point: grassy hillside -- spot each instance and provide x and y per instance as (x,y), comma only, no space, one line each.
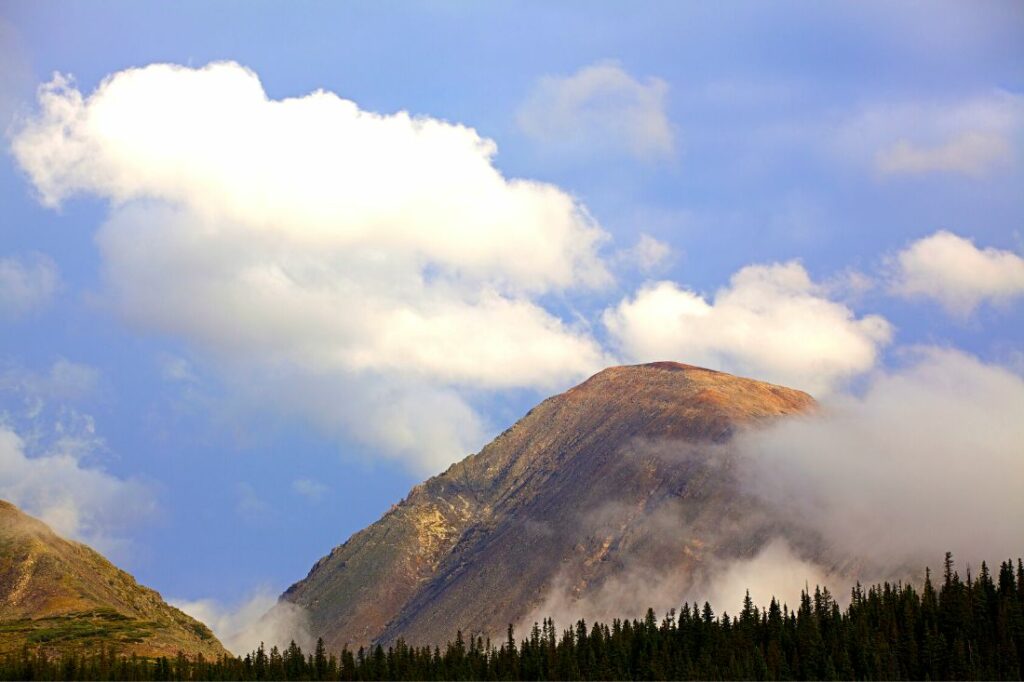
(58,595)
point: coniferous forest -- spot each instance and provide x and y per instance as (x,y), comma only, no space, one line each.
(968,627)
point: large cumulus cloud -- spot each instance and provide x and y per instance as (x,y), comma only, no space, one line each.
(771,322)
(375,274)
(952,271)
(330,255)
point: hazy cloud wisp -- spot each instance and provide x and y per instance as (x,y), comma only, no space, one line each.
(600,108)
(260,618)
(972,137)
(77,500)
(27,284)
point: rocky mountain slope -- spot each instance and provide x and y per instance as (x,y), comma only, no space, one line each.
(58,595)
(619,483)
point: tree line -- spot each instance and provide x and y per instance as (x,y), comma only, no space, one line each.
(967,628)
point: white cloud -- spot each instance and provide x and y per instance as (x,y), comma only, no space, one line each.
(259,618)
(306,243)
(314,172)
(64,380)
(775,572)
(75,499)
(646,255)
(177,369)
(601,107)
(26,284)
(310,489)
(50,452)
(48,417)
(772,322)
(426,425)
(249,504)
(971,153)
(953,271)
(913,468)
(971,137)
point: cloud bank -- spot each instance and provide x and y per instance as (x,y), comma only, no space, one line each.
(600,108)
(772,322)
(357,263)
(775,571)
(929,459)
(957,274)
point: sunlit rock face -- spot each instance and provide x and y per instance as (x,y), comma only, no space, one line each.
(615,492)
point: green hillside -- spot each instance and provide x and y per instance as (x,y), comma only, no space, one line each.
(57,595)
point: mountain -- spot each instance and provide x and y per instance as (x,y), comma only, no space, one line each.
(621,484)
(58,595)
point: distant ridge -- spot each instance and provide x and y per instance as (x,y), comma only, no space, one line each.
(57,595)
(566,499)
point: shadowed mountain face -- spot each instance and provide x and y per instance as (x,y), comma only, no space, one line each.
(57,595)
(624,476)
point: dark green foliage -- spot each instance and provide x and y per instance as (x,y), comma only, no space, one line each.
(970,628)
(84,628)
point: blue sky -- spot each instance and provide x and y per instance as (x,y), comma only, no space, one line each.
(879,145)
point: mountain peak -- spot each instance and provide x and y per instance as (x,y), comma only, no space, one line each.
(679,382)
(480,545)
